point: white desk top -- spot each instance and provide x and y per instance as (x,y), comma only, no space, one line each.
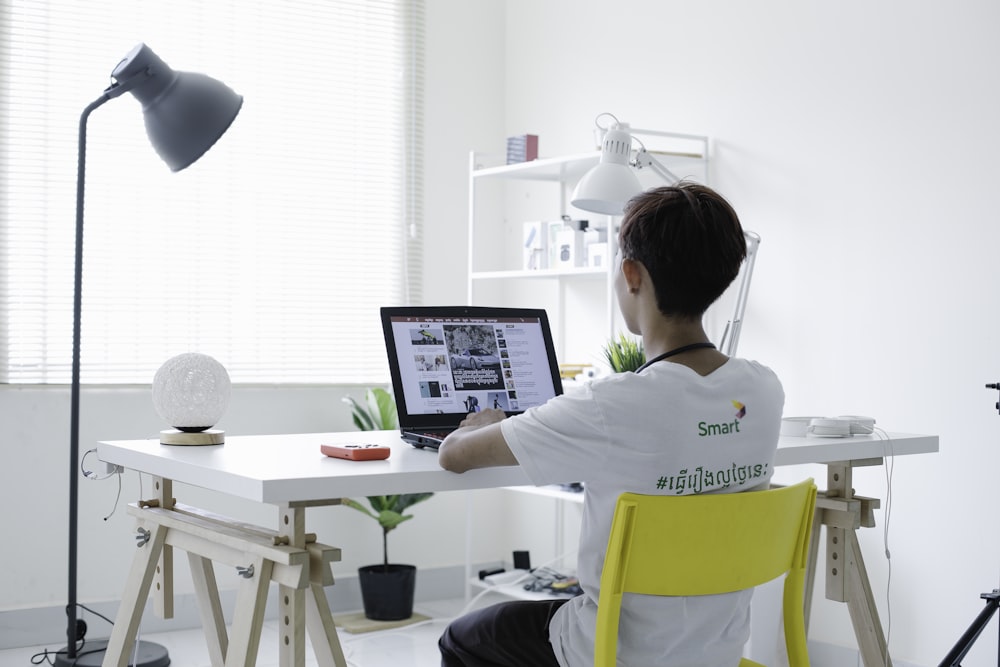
(278,469)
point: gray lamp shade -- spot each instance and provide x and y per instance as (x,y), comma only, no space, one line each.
(185,112)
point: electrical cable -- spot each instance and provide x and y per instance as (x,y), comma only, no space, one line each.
(118,497)
(98,615)
(116,471)
(890,467)
(135,647)
(93,475)
(46,656)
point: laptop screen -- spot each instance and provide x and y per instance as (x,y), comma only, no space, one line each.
(447,362)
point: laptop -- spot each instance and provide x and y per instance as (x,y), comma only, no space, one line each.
(449,361)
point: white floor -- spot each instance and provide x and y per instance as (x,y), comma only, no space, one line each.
(411,646)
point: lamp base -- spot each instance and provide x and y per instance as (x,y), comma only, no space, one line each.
(92,655)
(209,437)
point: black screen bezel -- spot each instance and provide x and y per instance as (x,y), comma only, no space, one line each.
(451,419)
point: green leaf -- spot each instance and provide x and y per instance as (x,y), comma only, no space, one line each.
(380,503)
(410,499)
(358,506)
(389,519)
(382,407)
(378,413)
(624,353)
(362,420)
(388,510)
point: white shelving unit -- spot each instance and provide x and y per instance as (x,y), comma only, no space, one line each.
(579,300)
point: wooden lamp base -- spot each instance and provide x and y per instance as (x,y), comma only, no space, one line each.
(209,437)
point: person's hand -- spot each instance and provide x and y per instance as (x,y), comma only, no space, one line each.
(483,417)
(479,443)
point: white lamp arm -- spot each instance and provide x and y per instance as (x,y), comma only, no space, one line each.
(731,334)
(644,160)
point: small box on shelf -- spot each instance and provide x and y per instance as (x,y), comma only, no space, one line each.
(595,247)
(522,148)
(568,251)
(597,255)
(595,235)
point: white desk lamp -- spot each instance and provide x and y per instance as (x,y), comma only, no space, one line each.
(185,113)
(607,187)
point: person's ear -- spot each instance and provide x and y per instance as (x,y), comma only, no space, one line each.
(633,275)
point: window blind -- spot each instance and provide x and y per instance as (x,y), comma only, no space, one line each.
(273,252)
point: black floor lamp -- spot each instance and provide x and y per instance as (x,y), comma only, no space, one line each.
(185,113)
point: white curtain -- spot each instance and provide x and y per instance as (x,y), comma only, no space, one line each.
(273,252)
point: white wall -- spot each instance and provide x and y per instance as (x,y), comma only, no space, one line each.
(860,140)
(465,111)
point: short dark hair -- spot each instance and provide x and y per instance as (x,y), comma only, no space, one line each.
(691,242)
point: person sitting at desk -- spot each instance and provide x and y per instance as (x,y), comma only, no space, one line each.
(691,420)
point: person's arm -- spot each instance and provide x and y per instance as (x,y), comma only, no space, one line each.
(478,443)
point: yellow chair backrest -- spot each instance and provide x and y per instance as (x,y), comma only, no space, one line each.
(731,542)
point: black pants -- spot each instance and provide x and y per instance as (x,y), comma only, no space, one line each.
(509,634)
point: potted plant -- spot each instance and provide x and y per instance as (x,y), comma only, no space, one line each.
(386,588)
(624,353)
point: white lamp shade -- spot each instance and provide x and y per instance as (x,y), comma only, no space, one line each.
(608,186)
(606,189)
(191,392)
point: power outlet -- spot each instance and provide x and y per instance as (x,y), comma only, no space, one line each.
(112,468)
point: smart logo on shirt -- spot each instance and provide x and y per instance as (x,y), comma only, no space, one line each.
(706,429)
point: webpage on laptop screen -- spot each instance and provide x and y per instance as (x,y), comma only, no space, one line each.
(466,364)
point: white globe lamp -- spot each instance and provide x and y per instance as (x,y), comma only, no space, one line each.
(191,393)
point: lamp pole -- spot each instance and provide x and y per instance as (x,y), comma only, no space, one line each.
(74,398)
(74,629)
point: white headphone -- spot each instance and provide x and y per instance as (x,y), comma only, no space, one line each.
(828,427)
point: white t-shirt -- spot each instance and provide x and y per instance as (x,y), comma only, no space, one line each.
(663,431)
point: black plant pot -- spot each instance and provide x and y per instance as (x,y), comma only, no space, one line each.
(387,591)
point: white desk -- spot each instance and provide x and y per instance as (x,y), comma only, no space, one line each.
(289,471)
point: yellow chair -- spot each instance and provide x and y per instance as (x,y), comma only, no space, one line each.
(731,542)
